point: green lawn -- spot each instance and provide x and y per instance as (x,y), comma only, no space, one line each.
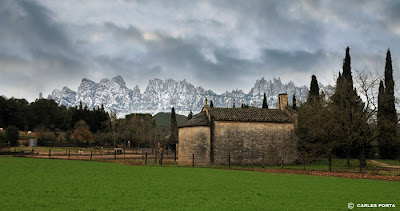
(42,184)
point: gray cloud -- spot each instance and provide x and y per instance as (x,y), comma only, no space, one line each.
(220,45)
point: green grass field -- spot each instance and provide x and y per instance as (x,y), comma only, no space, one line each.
(42,184)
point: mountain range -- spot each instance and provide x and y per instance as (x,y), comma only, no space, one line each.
(161,95)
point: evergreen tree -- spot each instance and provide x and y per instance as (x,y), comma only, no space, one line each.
(347,68)
(174,128)
(348,110)
(294,102)
(387,117)
(313,94)
(190,115)
(265,103)
(211,104)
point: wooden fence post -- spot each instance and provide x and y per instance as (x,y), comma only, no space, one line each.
(263,161)
(33,152)
(91,154)
(161,157)
(155,157)
(115,154)
(193,160)
(69,154)
(229,160)
(175,155)
(49,153)
(145,160)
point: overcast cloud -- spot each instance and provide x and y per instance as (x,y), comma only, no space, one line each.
(220,45)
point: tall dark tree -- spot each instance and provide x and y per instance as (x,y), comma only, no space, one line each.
(174,128)
(347,67)
(265,103)
(211,104)
(313,94)
(387,117)
(348,110)
(315,127)
(294,102)
(190,115)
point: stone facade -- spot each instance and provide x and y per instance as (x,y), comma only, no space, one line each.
(252,143)
(194,140)
(241,136)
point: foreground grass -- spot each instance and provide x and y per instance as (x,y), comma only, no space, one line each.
(41,184)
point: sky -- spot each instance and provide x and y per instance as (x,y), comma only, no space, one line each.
(219,45)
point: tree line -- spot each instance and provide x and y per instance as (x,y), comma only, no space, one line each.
(48,114)
(80,126)
(348,123)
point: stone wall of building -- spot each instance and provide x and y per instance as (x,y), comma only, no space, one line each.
(194,140)
(253,143)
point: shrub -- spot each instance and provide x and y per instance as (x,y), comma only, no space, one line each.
(12,135)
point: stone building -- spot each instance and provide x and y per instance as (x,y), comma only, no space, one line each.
(241,136)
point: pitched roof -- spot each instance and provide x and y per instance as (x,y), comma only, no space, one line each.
(199,119)
(250,115)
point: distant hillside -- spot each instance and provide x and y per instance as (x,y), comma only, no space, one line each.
(163,120)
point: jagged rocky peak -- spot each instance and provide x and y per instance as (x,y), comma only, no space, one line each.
(160,95)
(87,81)
(136,90)
(67,90)
(119,80)
(64,97)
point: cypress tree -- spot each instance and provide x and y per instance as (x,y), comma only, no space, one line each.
(313,94)
(349,109)
(387,117)
(294,102)
(265,103)
(381,119)
(211,104)
(347,68)
(174,127)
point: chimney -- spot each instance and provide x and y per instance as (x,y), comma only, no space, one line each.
(282,102)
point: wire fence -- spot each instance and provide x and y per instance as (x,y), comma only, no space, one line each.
(144,155)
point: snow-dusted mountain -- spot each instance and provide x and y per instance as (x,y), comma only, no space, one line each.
(161,95)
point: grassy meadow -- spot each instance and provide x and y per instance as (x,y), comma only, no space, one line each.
(43,184)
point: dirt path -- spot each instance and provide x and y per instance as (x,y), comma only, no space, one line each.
(328,174)
(385,165)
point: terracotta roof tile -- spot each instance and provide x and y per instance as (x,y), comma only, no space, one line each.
(239,115)
(250,115)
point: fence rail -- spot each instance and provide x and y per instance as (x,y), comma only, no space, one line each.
(145,155)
